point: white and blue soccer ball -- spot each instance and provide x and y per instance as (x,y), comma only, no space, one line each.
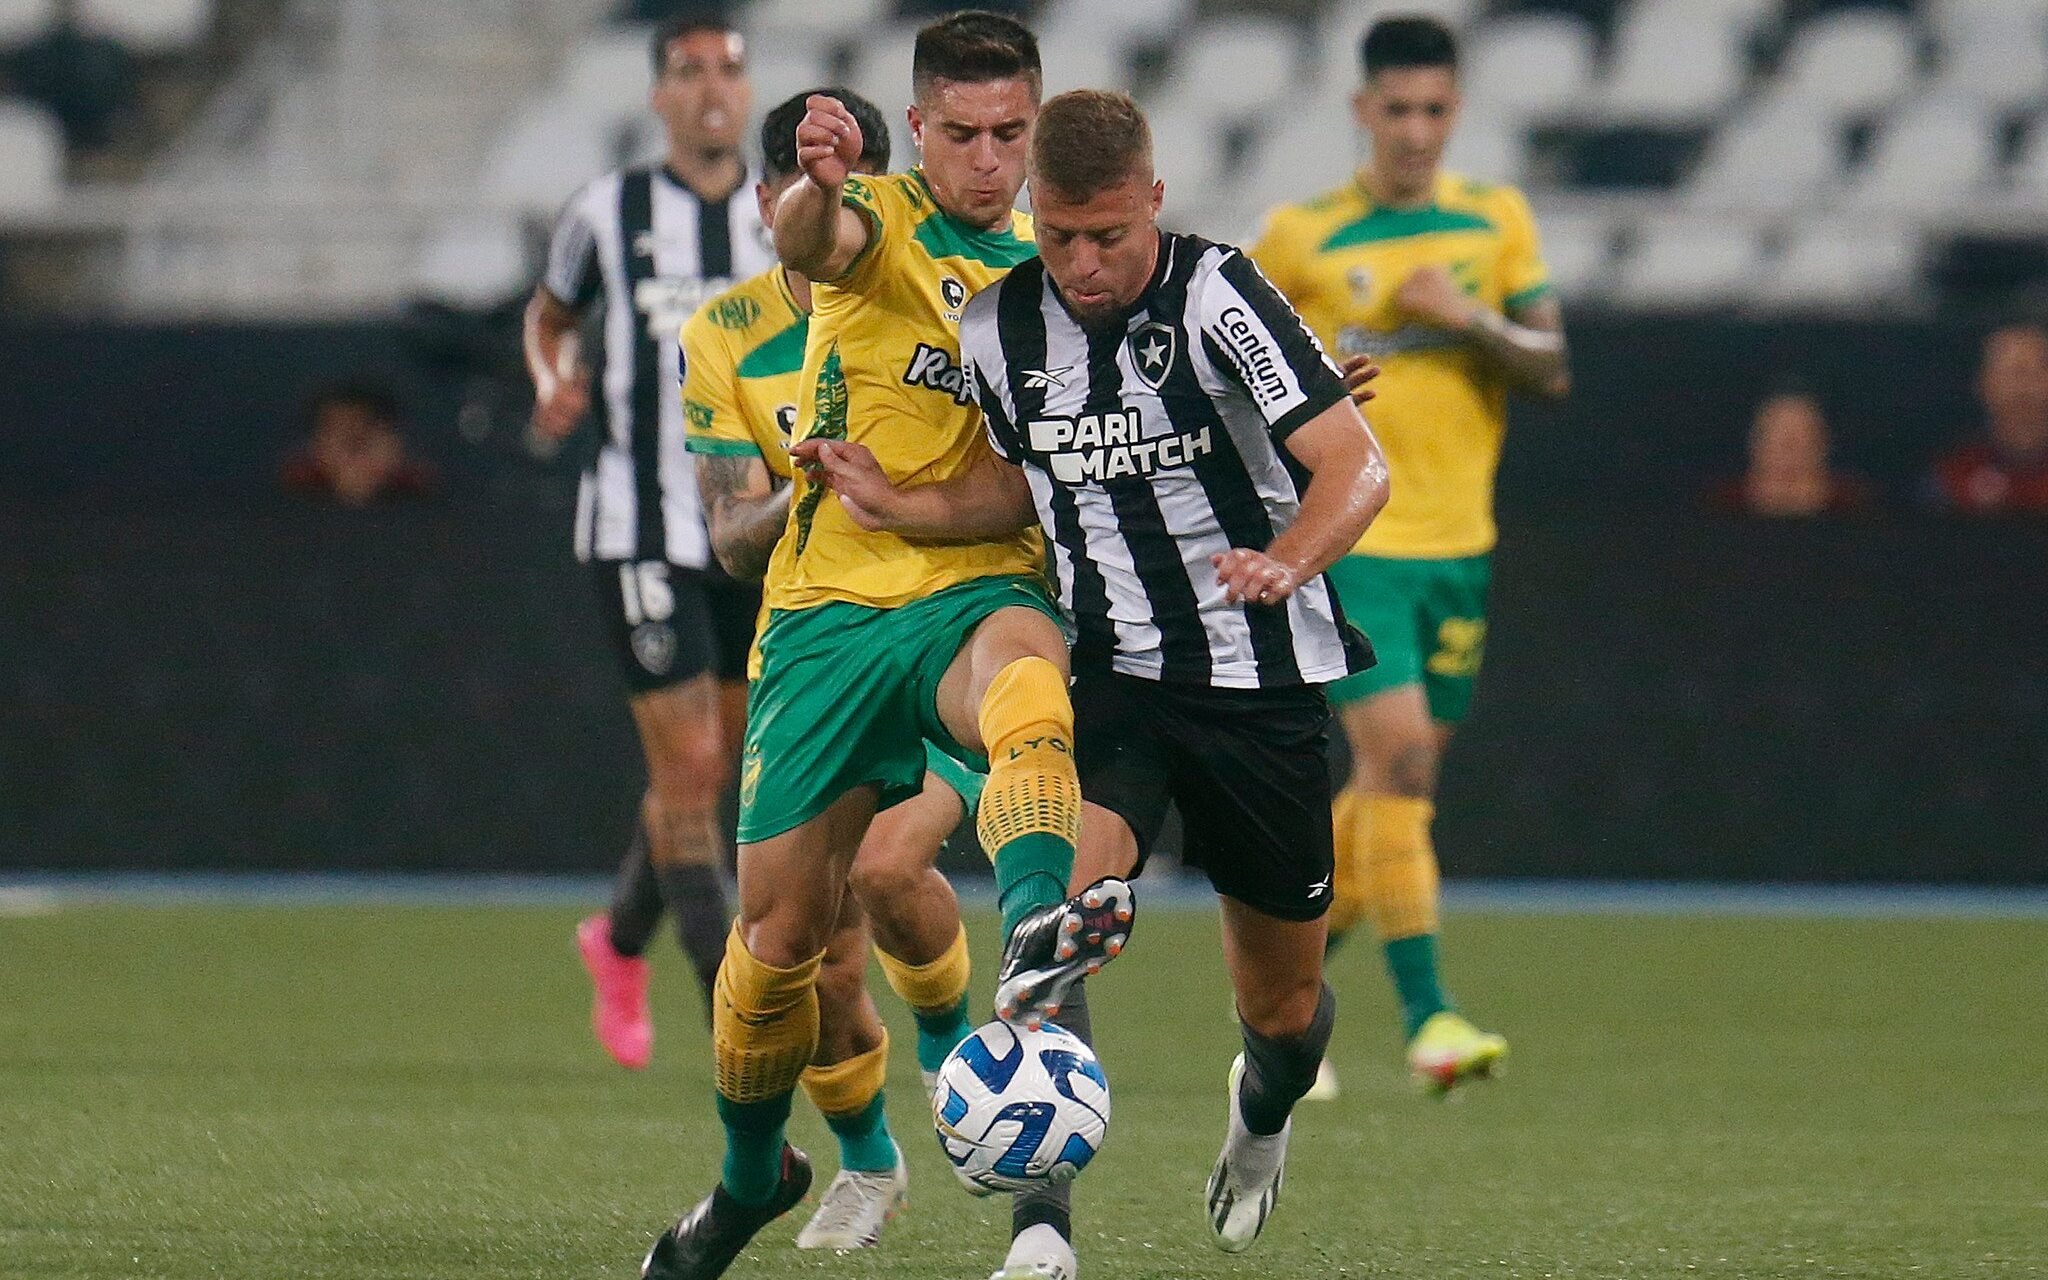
(1017,1108)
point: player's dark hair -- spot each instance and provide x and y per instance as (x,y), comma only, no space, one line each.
(1087,141)
(778,132)
(686,23)
(974,47)
(1407,40)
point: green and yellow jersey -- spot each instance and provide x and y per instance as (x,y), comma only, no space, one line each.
(743,359)
(1439,413)
(882,368)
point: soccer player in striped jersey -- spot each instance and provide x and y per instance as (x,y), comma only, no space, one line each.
(878,644)
(1440,278)
(1196,462)
(742,357)
(650,242)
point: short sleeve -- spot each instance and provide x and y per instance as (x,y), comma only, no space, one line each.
(1257,340)
(871,201)
(572,273)
(981,358)
(1277,252)
(1524,275)
(712,419)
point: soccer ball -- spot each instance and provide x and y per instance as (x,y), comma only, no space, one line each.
(1017,1108)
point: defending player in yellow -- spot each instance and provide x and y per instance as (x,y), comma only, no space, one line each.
(878,643)
(742,357)
(1440,278)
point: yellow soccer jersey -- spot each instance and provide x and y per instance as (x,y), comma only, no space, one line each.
(743,356)
(1439,413)
(882,368)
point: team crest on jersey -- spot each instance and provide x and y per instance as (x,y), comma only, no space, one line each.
(733,313)
(1153,348)
(654,647)
(954,295)
(785,419)
(1360,280)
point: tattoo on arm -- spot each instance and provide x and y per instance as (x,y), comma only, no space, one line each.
(746,507)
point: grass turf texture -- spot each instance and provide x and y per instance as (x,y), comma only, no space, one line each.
(413,1092)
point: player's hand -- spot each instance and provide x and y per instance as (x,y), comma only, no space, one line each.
(1359,371)
(1253,577)
(828,141)
(850,471)
(1431,296)
(561,395)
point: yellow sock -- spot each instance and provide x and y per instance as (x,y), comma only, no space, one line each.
(846,1088)
(1348,877)
(933,987)
(1030,815)
(1400,872)
(764,1023)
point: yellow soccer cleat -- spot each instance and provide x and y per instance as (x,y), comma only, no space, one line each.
(1449,1051)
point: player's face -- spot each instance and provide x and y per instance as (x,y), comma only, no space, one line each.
(702,94)
(2014,387)
(1409,113)
(1100,251)
(972,139)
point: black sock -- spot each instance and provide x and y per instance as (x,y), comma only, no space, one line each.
(1278,1071)
(636,899)
(1054,1206)
(693,892)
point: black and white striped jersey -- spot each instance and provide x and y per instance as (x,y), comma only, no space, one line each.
(1155,444)
(654,250)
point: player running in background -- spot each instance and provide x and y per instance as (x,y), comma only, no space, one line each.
(652,242)
(877,643)
(1196,462)
(1441,279)
(742,356)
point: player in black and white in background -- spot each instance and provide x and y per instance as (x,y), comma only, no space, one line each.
(1196,462)
(650,243)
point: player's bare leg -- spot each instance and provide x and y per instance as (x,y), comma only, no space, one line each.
(844,1081)
(672,863)
(1387,874)
(915,917)
(1285,1014)
(764,1029)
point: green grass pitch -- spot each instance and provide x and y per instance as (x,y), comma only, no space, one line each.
(412,1092)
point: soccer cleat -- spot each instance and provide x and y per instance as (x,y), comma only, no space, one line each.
(1039,1252)
(618,1006)
(1448,1051)
(1325,1089)
(855,1207)
(1245,1184)
(710,1236)
(1056,946)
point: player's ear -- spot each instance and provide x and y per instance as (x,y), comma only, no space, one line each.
(916,119)
(1158,195)
(764,196)
(1360,97)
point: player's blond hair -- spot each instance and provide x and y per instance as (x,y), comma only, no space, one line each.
(1087,141)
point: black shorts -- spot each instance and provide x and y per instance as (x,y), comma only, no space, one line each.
(670,623)
(1248,768)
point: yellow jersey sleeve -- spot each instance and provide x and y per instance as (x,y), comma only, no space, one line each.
(742,360)
(1524,275)
(1278,251)
(712,422)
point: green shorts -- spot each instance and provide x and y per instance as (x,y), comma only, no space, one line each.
(1427,622)
(966,780)
(847,697)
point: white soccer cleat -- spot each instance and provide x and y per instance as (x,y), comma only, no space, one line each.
(855,1207)
(1039,1253)
(1245,1184)
(1325,1089)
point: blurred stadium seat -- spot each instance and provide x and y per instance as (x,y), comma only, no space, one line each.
(1535,65)
(1833,265)
(31,158)
(149,26)
(1671,63)
(1927,155)
(1683,262)
(24,20)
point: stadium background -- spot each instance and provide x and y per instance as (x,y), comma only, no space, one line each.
(209,208)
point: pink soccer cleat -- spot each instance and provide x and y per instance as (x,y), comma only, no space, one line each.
(618,1009)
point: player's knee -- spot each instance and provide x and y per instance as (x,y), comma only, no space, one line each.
(688,781)
(1282,1009)
(1411,768)
(886,873)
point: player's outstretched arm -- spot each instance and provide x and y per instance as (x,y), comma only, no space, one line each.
(989,498)
(1347,488)
(561,381)
(745,510)
(816,235)
(1527,348)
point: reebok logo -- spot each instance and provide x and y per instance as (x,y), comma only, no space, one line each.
(936,370)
